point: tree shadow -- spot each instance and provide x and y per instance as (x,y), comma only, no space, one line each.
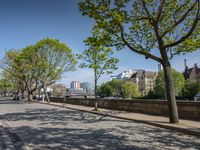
(163,138)
(55,115)
(70,138)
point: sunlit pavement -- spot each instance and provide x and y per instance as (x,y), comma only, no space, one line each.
(38,126)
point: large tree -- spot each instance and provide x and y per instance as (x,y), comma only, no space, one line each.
(156,29)
(39,65)
(98,58)
(13,71)
(54,58)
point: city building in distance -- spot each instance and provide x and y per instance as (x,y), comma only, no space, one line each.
(78,89)
(75,85)
(87,87)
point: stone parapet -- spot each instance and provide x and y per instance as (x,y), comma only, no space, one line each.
(187,110)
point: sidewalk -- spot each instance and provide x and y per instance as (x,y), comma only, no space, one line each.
(185,126)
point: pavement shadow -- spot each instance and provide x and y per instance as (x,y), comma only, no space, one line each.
(70,138)
(55,115)
(163,138)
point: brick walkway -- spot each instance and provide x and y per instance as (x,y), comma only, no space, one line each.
(186,126)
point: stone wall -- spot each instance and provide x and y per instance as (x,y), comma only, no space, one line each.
(187,110)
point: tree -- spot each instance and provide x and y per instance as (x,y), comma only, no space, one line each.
(58,90)
(105,90)
(54,58)
(130,90)
(169,27)
(97,58)
(5,87)
(178,80)
(190,89)
(13,71)
(29,65)
(119,88)
(39,65)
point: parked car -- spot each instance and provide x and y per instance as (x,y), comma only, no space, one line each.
(197,97)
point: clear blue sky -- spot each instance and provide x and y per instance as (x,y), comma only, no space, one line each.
(24,22)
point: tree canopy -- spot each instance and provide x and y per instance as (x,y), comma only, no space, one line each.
(119,88)
(98,58)
(190,89)
(179,82)
(38,66)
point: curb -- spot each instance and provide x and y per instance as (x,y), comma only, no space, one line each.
(6,139)
(182,130)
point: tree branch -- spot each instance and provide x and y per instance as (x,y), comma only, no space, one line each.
(189,33)
(176,23)
(160,10)
(146,54)
(151,19)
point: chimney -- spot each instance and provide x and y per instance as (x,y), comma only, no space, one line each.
(185,61)
(195,65)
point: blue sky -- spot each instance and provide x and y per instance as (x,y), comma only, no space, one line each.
(24,22)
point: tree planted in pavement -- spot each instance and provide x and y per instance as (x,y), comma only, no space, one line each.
(98,58)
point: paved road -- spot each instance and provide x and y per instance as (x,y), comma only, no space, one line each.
(43,127)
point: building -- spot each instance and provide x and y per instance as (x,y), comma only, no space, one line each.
(124,75)
(144,79)
(75,85)
(192,73)
(87,87)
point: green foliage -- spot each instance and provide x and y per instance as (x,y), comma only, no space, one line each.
(5,86)
(58,90)
(190,89)
(178,79)
(98,58)
(143,22)
(119,88)
(39,65)
(54,58)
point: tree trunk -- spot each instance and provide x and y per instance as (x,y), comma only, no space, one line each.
(30,96)
(170,93)
(95,91)
(46,94)
(22,95)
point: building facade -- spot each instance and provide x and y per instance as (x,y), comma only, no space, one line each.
(87,87)
(144,79)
